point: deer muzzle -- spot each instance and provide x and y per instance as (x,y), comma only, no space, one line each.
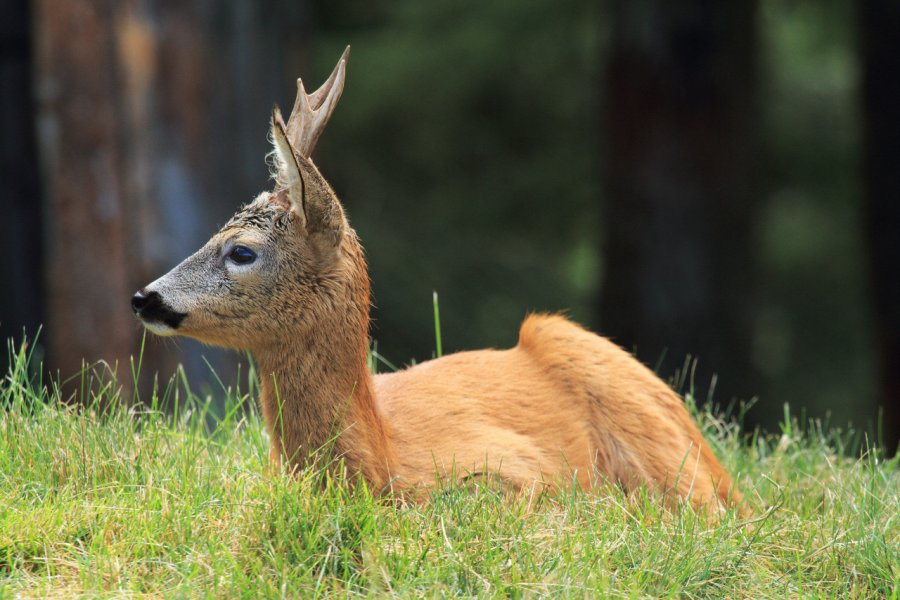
(154,314)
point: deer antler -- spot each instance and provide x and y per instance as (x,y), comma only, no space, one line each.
(311,111)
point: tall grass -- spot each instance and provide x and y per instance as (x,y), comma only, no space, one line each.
(169,498)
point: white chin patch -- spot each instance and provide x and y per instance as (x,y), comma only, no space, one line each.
(159,328)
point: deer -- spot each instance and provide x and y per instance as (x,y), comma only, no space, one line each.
(286,279)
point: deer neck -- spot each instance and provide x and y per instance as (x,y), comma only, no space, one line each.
(317,396)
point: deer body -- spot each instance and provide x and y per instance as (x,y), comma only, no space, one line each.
(564,404)
(286,278)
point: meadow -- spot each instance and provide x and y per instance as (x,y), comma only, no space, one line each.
(172,498)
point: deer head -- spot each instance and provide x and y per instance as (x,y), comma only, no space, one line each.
(283,263)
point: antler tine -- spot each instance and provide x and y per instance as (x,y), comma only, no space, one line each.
(318,96)
(312,111)
(315,99)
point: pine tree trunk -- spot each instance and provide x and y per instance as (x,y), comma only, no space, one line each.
(880,21)
(86,209)
(21,306)
(681,198)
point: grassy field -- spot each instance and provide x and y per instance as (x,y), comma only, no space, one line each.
(140,502)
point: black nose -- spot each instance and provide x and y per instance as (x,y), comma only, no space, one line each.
(150,307)
(141,300)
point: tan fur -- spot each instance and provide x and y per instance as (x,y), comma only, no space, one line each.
(564,404)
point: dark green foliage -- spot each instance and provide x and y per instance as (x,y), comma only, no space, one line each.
(814,332)
(466,151)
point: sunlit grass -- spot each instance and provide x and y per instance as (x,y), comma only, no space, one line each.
(105,500)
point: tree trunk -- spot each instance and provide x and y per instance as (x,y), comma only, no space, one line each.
(681,199)
(85,206)
(880,21)
(21,306)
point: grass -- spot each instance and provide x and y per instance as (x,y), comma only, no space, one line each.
(111,501)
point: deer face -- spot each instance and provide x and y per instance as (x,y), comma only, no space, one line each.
(226,292)
(278,264)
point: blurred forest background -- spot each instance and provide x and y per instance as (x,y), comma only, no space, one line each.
(718,180)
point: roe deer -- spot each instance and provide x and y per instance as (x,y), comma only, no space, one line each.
(286,279)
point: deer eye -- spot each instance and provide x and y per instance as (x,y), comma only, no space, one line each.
(242,255)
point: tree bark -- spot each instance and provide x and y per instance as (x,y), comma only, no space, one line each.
(880,24)
(680,200)
(21,306)
(85,207)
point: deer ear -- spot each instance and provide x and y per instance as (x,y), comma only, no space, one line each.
(311,198)
(287,173)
